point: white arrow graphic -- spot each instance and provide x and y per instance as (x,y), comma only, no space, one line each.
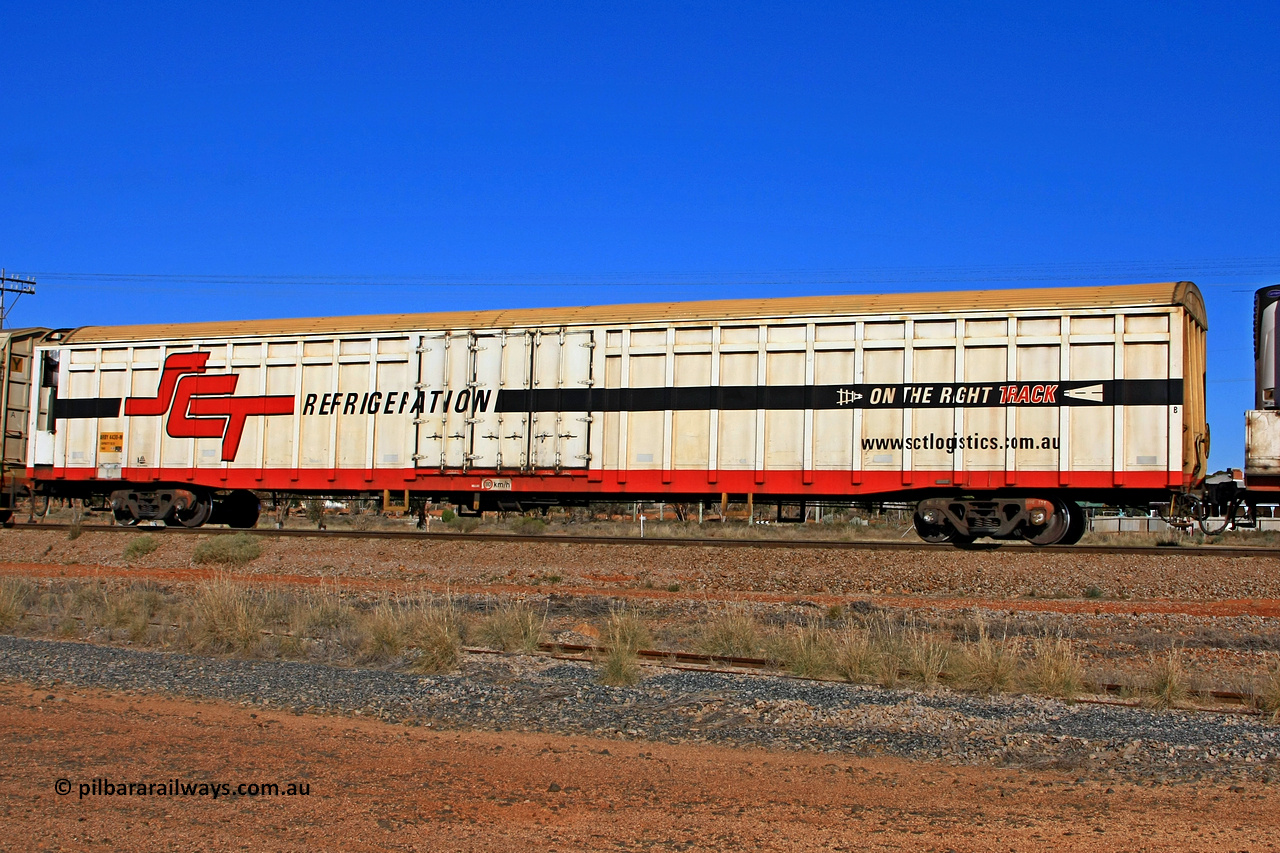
(1092,393)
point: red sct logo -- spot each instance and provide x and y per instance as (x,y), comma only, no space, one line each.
(201,405)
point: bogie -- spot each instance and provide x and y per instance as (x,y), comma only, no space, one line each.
(962,520)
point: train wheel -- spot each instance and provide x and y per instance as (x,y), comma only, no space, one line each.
(124,518)
(1076,526)
(6,518)
(240,510)
(1211,526)
(196,514)
(934,534)
(1057,529)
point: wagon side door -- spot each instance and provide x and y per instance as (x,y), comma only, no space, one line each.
(560,382)
(444,371)
(491,371)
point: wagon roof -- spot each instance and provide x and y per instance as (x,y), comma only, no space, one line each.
(1056,299)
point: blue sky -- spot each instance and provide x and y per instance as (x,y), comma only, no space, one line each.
(178,161)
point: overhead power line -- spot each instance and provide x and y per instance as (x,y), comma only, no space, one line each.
(1126,271)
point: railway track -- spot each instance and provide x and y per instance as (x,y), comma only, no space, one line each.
(1242,703)
(773,544)
(1103,693)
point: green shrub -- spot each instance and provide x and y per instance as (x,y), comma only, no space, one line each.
(314,509)
(528,526)
(463,524)
(140,547)
(235,550)
(447,515)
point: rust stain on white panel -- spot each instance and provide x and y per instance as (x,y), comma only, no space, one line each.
(833,429)
(784,430)
(691,429)
(1262,442)
(737,439)
(1036,430)
(880,427)
(933,365)
(985,365)
(644,432)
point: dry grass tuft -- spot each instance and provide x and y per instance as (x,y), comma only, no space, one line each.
(320,614)
(889,640)
(986,665)
(384,632)
(225,618)
(618,667)
(806,650)
(733,633)
(624,635)
(133,609)
(1054,668)
(14,594)
(856,657)
(512,627)
(435,632)
(925,657)
(627,630)
(1266,695)
(1168,685)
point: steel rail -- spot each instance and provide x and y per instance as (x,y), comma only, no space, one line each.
(659,541)
(740,665)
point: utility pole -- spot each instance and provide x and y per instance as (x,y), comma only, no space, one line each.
(15,285)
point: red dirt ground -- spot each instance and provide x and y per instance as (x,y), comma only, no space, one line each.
(379,786)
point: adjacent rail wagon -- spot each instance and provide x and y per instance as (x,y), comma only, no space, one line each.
(995,411)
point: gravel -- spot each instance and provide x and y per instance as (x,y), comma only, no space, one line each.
(1004,573)
(541,694)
